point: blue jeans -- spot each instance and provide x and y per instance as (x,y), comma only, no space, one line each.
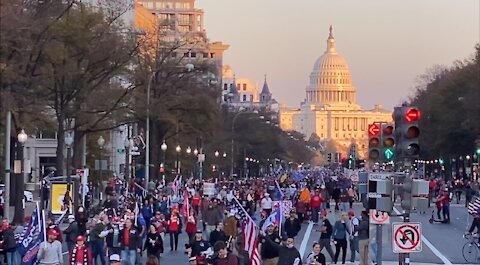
(353,248)
(344,207)
(128,257)
(10,258)
(315,212)
(97,250)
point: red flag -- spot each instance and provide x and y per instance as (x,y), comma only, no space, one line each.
(186,205)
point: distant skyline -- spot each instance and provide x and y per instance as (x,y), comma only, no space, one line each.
(387,44)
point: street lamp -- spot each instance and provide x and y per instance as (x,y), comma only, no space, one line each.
(100,143)
(224,154)
(217,153)
(19,213)
(195,152)
(68,172)
(189,150)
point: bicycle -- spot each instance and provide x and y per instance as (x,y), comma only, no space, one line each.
(471,249)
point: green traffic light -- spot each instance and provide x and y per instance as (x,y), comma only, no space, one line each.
(388,154)
(478,151)
(440,161)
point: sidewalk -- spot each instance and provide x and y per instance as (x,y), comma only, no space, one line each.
(416,263)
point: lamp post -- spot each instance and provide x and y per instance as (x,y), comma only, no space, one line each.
(100,143)
(189,67)
(128,143)
(68,172)
(217,154)
(19,213)
(178,149)
(164,149)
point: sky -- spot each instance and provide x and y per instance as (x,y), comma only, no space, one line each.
(387,44)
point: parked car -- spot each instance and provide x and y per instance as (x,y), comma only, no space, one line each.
(27,195)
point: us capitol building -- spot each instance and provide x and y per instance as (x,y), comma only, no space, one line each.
(330,109)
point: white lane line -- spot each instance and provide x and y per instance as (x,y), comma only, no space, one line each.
(303,246)
(430,246)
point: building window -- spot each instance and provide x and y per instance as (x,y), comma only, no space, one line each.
(251,98)
(193,54)
(205,55)
(336,122)
(355,124)
(244,97)
(212,55)
(244,87)
(225,86)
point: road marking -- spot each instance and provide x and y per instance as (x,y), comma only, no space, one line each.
(430,246)
(303,246)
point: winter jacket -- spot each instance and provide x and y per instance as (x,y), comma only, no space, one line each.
(292,227)
(71,232)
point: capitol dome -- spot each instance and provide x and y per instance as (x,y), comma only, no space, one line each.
(330,80)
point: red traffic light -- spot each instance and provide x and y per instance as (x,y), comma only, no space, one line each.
(412,115)
(373,129)
(388,130)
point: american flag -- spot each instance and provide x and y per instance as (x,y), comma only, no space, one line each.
(250,231)
(474,207)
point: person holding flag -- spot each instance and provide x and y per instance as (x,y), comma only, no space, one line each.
(50,252)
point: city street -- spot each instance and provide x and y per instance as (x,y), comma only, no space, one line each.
(440,241)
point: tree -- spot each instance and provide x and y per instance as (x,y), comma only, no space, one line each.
(64,65)
(448,99)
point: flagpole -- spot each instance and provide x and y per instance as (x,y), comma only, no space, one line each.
(43,224)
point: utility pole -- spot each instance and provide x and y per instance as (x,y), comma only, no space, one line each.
(6,192)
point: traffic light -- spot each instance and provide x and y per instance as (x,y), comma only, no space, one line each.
(352,156)
(388,142)
(407,132)
(329,157)
(373,142)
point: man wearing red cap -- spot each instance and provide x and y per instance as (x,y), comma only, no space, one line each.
(80,254)
(50,251)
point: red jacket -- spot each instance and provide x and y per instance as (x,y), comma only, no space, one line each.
(174,224)
(316,201)
(191,227)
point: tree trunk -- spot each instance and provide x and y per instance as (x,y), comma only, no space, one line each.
(60,145)
(78,150)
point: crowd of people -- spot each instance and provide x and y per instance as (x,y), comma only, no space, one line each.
(132,225)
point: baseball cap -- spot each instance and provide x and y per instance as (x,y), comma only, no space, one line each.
(115,257)
(71,217)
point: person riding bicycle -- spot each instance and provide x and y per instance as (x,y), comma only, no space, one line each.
(475,224)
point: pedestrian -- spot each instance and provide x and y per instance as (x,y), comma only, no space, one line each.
(71,233)
(315,204)
(266,203)
(97,239)
(315,257)
(154,243)
(353,237)
(113,238)
(326,230)
(363,238)
(50,251)
(268,252)
(446,205)
(191,227)
(218,235)
(80,254)
(8,242)
(131,243)
(211,218)
(174,226)
(340,233)
(292,225)
(82,218)
(287,253)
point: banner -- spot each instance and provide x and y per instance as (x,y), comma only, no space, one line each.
(57,194)
(30,241)
(208,188)
(285,206)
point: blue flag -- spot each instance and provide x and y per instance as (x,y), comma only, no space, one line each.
(298,176)
(30,240)
(275,218)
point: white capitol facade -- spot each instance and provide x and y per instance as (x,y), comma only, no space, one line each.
(330,109)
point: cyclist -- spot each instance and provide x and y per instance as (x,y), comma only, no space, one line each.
(475,224)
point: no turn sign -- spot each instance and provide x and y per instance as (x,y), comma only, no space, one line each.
(407,237)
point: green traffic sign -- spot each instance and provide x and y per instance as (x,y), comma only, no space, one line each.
(388,154)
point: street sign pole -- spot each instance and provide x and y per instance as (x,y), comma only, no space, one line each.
(407,255)
(379,244)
